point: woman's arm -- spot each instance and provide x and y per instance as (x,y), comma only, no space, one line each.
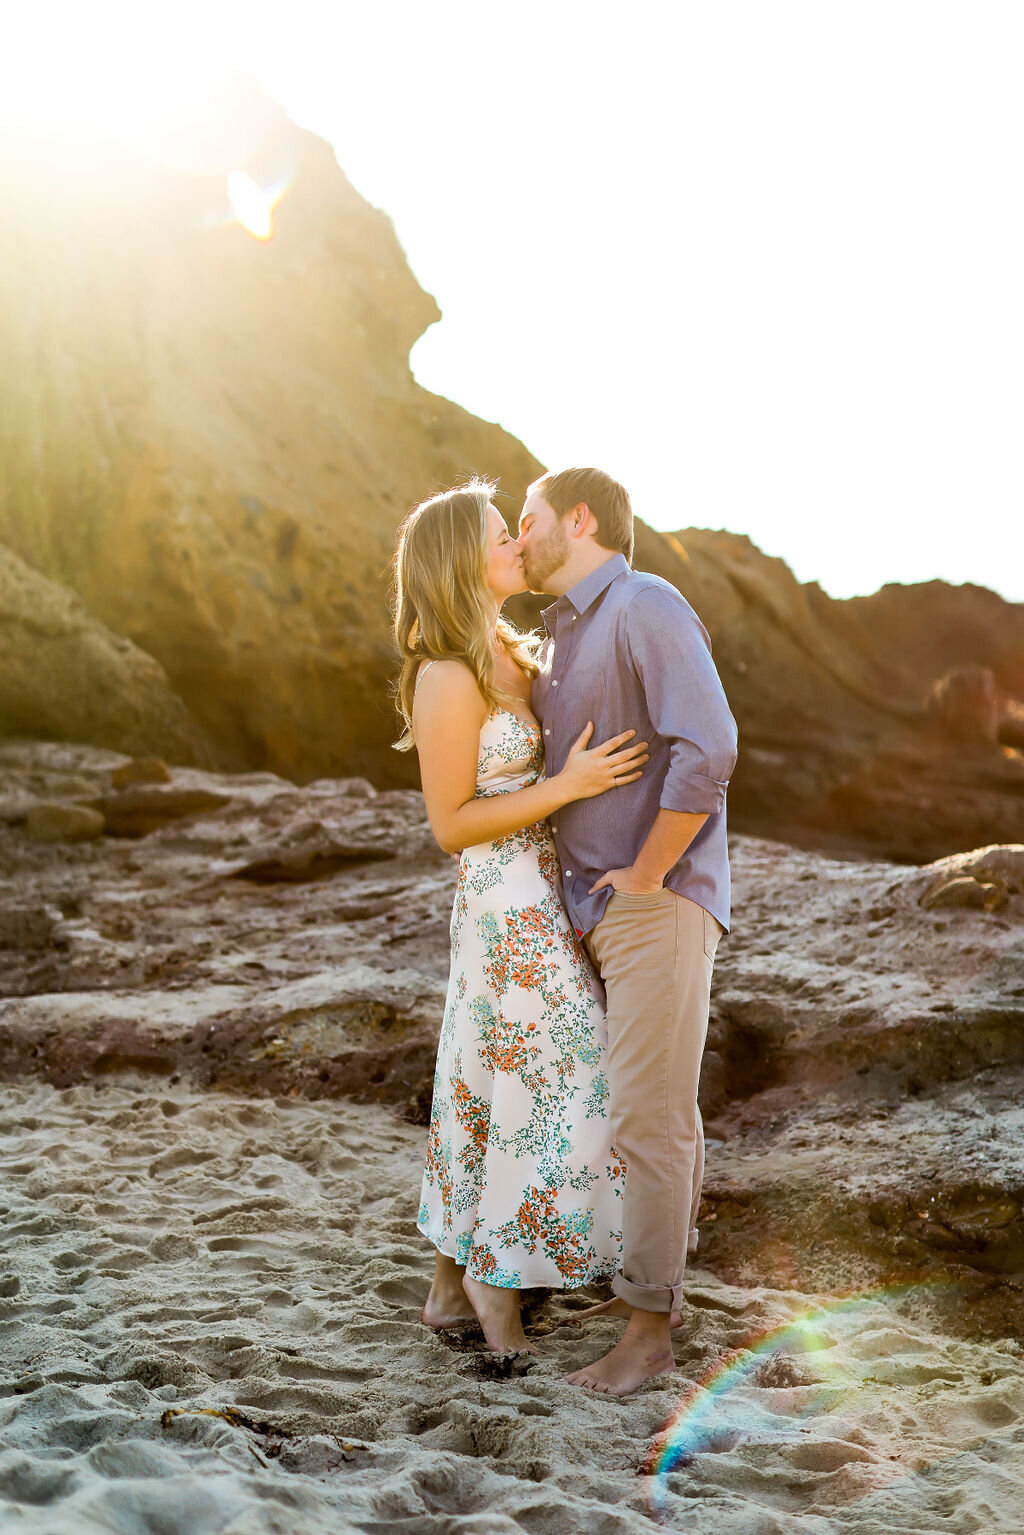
(448,714)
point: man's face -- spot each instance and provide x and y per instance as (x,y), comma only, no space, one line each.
(544,540)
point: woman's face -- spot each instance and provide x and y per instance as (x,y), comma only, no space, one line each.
(505,574)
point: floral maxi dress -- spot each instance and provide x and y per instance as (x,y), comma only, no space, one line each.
(521,1183)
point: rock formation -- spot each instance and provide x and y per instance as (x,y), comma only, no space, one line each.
(860,728)
(65,676)
(211,439)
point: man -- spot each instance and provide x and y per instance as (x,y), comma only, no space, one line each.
(645,871)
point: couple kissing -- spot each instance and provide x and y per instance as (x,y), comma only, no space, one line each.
(580,776)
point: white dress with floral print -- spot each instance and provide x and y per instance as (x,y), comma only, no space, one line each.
(521,1183)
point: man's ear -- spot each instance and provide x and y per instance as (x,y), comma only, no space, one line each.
(579,518)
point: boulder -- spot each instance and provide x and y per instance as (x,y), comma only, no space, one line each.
(137,811)
(978,894)
(65,676)
(26,927)
(140,770)
(63,823)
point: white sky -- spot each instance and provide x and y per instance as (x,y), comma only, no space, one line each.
(762,261)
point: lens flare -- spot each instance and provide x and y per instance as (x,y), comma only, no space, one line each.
(706,1419)
(253,205)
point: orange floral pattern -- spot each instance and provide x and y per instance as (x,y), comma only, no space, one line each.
(521,1183)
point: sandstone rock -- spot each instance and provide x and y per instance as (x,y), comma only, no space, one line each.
(836,747)
(239,433)
(140,770)
(311,862)
(26,927)
(1011,725)
(1003,865)
(965,891)
(964,704)
(69,786)
(138,811)
(933,628)
(64,675)
(63,823)
(849,760)
(237,430)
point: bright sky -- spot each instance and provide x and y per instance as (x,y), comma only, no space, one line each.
(762,261)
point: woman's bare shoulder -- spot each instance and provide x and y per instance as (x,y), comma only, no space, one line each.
(448,684)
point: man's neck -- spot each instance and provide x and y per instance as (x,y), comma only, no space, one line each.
(578,569)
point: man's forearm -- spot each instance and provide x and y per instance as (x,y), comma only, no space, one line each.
(665,844)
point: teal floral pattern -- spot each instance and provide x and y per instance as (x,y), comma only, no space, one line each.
(521,1183)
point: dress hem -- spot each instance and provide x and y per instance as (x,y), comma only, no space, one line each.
(539,1284)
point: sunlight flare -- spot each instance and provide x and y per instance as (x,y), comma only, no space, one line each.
(253,205)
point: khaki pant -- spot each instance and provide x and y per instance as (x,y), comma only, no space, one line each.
(655,953)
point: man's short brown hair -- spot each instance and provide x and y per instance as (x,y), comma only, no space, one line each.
(607,499)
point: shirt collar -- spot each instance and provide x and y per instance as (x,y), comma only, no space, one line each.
(590,588)
(587,591)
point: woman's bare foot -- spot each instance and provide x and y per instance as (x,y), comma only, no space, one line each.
(643,1351)
(497,1310)
(616,1307)
(447,1304)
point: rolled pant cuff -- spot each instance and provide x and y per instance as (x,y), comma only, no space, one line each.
(648,1297)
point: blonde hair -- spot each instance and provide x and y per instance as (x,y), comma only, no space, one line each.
(443,607)
(607,499)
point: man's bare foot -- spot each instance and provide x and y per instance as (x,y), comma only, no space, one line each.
(617,1307)
(448,1304)
(643,1351)
(497,1310)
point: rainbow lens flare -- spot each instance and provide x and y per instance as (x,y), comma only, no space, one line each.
(713,1416)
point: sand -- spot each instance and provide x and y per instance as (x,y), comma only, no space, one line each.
(168,1252)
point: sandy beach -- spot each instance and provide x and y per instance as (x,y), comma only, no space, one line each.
(216,1043)
(210,1313)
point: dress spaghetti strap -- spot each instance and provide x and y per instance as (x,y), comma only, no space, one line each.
(419,679)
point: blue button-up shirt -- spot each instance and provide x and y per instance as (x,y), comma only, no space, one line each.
(625,649)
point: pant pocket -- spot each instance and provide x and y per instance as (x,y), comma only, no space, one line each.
(642,897)
(713,931)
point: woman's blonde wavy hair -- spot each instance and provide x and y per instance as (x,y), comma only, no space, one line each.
(443,607)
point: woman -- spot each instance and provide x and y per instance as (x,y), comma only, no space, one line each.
(521,1185)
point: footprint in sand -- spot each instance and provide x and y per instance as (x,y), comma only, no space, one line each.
(247,1247)
(993,1412)
(825,1455)
(410,1293)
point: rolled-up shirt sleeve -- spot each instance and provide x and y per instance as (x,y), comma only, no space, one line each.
(671,652)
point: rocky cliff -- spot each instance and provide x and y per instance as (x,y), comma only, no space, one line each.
(211,439)
(888,724)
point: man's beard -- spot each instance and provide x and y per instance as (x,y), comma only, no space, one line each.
(542,560)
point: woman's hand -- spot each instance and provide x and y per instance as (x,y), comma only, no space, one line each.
(608,766)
